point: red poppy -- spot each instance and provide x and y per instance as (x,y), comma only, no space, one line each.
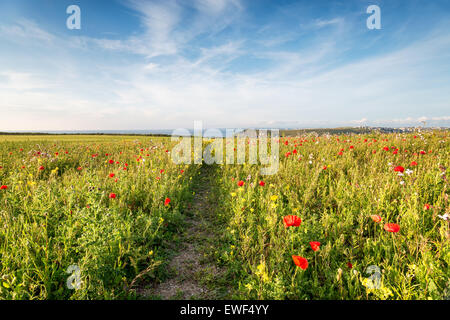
(181,171)
(324,168)
(111,175)
(262,183)
(399,169)
(392,227)
(413,164)
(422,152)
(376,218)
(292,221)
(41,168)
(340,153)
(314,245)
(349,265)
(3,187)
(167,201)
(111,161)
(427,206)
(161,171)
(300,262)
(112,195)
(240,183)
(79,168)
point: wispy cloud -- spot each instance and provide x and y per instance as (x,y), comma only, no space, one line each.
(25,29)
(179,68)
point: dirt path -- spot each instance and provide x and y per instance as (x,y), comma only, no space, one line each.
(192,273)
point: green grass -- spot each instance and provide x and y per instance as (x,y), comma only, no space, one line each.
(61,216)
(335,206)
(57,217)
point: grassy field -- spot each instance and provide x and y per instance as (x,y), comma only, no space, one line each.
(345,217)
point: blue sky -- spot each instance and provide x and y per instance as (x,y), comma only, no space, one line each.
(230,63)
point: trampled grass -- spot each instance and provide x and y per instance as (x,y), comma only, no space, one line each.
(102,203)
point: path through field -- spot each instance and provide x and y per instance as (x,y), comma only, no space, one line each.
(193,276)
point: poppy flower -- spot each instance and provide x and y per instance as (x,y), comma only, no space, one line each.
(161,171)
(41,168)
(111,161)
(112,195)
(413,164)
(181,171)
(240,183)
(324,168)
(427,206)
(262,183)
(314,245)
(349,265)
(111,175)
(392,227)
(3,187)
(79,168)
(300,262)
(340,153)
(376,218)
(292,221)
(399,169)
(167,201)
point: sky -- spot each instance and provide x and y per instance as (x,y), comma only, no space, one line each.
(163,64)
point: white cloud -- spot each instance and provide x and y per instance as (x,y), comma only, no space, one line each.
(295,89)
(25,30)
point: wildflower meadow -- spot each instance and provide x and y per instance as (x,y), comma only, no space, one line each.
(348,216)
